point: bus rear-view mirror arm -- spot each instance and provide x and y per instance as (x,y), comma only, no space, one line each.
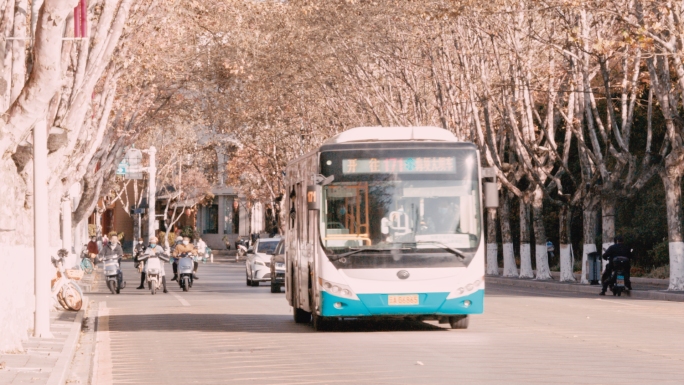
(491,191)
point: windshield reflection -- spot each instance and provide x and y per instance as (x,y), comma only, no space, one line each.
(384,213)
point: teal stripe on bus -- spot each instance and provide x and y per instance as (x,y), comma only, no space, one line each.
(376,305)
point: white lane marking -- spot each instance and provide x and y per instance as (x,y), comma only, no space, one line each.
(180,299)
(102,366)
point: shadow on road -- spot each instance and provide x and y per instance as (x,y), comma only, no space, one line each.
(252,323)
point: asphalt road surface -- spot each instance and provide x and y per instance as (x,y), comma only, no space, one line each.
(223,332)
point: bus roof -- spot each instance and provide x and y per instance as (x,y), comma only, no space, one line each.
(393,134)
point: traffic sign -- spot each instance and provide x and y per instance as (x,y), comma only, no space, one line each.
(122,168)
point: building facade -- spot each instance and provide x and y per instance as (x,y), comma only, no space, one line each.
(225,220)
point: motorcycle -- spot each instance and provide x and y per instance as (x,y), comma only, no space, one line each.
(185,270)
(620,266)
(242,248)
(113,274)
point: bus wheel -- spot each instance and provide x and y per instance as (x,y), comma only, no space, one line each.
(459,322)
(301,316)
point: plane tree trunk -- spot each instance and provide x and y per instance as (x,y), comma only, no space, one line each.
(509,267)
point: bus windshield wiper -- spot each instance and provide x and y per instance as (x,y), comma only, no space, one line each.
(456,252)
(350,253)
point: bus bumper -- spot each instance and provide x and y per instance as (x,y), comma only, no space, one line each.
(376,305)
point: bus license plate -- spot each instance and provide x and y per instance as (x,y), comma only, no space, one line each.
(396,300)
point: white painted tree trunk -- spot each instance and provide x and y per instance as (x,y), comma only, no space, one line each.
(566,263)
(540,250)
(492,264)
(525,250)
(586,250)
(566,255)
(589,233)
(542,261)
(672,181)
(492,247)
(509,267)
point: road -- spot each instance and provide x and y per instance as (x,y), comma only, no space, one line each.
(223,332)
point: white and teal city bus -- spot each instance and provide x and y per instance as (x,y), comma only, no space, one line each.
(385,222)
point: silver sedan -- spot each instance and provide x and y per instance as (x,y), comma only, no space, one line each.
(258,263)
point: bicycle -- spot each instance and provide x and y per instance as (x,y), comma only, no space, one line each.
(86,264)
(65,291)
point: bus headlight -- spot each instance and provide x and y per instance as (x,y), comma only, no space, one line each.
(467,289)
(337,289)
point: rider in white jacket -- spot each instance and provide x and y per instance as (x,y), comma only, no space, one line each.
(154,249)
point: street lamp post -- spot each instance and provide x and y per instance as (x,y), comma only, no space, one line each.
(151,199)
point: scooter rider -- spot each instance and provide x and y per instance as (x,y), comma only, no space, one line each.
(185,247)
(619,249)
(113,250)
(154,249)
(174,264)
(139,250)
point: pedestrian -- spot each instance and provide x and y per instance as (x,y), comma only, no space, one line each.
(174,260)
(139,250)
(201,247)
(201,254)
(93,250)
(105,241)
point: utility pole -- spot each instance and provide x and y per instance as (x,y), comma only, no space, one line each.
(152,190)
(41,251)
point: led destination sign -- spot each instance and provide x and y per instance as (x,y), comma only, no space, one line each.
(424,165)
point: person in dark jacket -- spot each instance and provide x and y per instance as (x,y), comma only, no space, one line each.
(140,250)
(619,249)
(110,251)
(93,250)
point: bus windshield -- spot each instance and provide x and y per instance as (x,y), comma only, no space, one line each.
(405,209)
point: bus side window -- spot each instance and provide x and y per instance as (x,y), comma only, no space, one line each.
(300,218)
(293,204)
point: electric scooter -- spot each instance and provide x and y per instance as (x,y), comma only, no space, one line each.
(113,274)
(185,270)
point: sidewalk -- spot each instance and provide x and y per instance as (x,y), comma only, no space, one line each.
(644,288)
(45,361)
(224,256)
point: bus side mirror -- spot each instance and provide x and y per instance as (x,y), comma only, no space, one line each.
(313,197)
(491,195)
(491,192)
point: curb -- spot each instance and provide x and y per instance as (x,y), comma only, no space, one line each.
(645,281)
(584,289)
(58,374)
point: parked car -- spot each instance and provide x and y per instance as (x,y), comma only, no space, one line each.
(258,262)
(278,267)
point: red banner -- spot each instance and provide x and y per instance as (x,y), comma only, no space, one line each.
(81,19)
